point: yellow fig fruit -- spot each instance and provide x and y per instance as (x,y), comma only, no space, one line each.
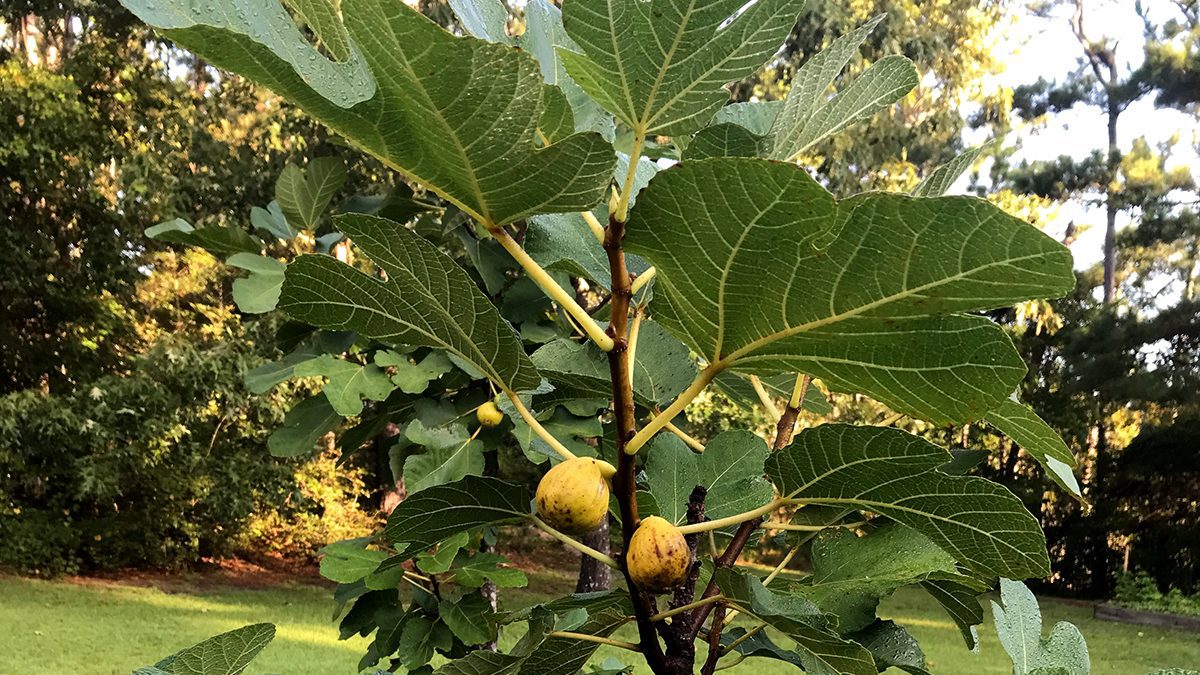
(489,415)
(658,556)
(573,496)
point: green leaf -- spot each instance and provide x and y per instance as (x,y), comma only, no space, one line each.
(485,19)
(737,130)
(662,366)
(477,569)
(851,574)
(262,379)
(720,230)
(1020,423)
(427,300)
(820,649)
(564,242)
(884,83)
(962,604)
(892,647)
(391,622)
(470,618)
(724,140)
(349,561)
(544,35)
(431,515)
(1019,626)
(348,382)
(760,645)
(731,468)
(661,66)
(219,241)
(303,426)
(939,181)
(893,473)
(441,560)
(272,220)
(411,94)
(258,293)
(448,457)
(557,121)
(225,654)
(412,377)
(321,16)
(808,116)
(304,194)
(606,613)
(568,428)
(421,638)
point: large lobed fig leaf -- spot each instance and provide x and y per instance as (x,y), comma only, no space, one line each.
(458,115)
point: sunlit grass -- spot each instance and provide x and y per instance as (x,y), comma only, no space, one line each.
(101,629)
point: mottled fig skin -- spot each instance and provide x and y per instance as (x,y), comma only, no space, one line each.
(658,556)
(489,415)
(573,496)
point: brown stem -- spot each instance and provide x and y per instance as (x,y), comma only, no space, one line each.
(624,486)
(714,641)
(783,436)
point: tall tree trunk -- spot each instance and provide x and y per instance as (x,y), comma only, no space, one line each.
(1110,203)
(594,575)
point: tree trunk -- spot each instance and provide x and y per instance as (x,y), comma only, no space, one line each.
(1110,204)
(594,575)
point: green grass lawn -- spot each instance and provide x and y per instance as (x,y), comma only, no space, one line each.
(103,628)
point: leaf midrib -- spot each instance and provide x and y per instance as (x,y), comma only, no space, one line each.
(732,357)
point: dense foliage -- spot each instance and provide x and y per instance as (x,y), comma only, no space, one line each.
(885,286)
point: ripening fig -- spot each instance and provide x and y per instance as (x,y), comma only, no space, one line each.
(573,496)
(658,556)
(489,415)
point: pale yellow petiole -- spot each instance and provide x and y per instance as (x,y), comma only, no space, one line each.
(732,664)
(634,328)
(765,399)
(749,634)
(732,520)
(799,390)
(687,608)
(537,427)
(578,546)
(642,279)
(660,420)
(890,420)
(621,213)
(593,225)
(810,528)
(596,638)
(692,443)
(550,287)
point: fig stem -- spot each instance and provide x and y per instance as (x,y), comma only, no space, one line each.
(733,520)
(594,225)
(660,420)
(596,638)
(634,328)
(537,427)
(578,546)
(621,213)
(642,279)
(683,436)
(686,608)
(765,398)
(551,288)
(809,528)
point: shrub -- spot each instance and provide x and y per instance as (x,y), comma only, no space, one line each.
(154,468)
